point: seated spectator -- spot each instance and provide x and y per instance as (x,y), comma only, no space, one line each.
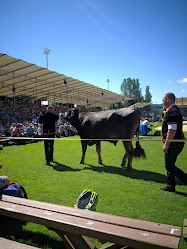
(62,131)
(25,126)
(7,129)
(35,120)
(4,180)
(35,129)
(2,130)
(61,120)
(18,132)
(40,130)
(12,127)
(146,122)
(30,131)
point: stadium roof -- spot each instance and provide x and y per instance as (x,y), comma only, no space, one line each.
(181,101)
(140,105)
(23,79)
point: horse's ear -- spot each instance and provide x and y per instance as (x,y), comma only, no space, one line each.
(76,111)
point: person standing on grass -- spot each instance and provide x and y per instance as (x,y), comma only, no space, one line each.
(171,130)
(48,121)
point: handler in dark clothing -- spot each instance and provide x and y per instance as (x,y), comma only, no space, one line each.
(48,120)
(172,129)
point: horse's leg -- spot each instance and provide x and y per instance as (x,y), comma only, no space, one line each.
(129,151)
(123,162)
(98,149)
(84,147)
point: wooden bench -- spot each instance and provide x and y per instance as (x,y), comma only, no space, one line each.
(10,244)
(72,225)
(4,141)
(185,230)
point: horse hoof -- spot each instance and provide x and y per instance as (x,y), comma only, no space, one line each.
(122,165)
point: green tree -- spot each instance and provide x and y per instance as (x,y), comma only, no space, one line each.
(115,106)
(131,88)
(148,95)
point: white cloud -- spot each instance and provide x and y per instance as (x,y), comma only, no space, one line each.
(183,91)
(184,80)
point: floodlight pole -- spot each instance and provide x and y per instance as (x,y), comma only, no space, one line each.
(14,91)
(47,51)
(108,83)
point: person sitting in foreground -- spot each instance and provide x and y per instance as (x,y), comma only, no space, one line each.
(4,180)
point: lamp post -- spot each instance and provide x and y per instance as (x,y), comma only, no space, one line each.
(65,83)
(108,83)
(14,91)
(47,51)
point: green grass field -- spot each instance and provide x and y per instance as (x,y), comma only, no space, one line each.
(134,194)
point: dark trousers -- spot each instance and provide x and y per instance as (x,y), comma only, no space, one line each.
(48,145)
(172,171)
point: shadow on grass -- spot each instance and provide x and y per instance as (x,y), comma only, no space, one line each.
(13,229)
(181,193)
(134,173)
(62,167)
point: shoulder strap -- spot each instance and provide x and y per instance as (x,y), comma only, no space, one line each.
(25,194)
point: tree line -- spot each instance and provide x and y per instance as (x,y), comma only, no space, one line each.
(131,88)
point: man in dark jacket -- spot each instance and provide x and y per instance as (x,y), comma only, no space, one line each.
(171,130)
(48,121)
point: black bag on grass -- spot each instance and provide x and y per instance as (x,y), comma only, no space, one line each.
(157,133)
(87,200)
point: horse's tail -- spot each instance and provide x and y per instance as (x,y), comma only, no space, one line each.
(138,151)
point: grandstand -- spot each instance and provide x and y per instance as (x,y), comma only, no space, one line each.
(21,79)
(25,86)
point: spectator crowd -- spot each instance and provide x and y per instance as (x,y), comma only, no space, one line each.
(21,120)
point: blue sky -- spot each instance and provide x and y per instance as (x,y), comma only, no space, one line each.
(96,40)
